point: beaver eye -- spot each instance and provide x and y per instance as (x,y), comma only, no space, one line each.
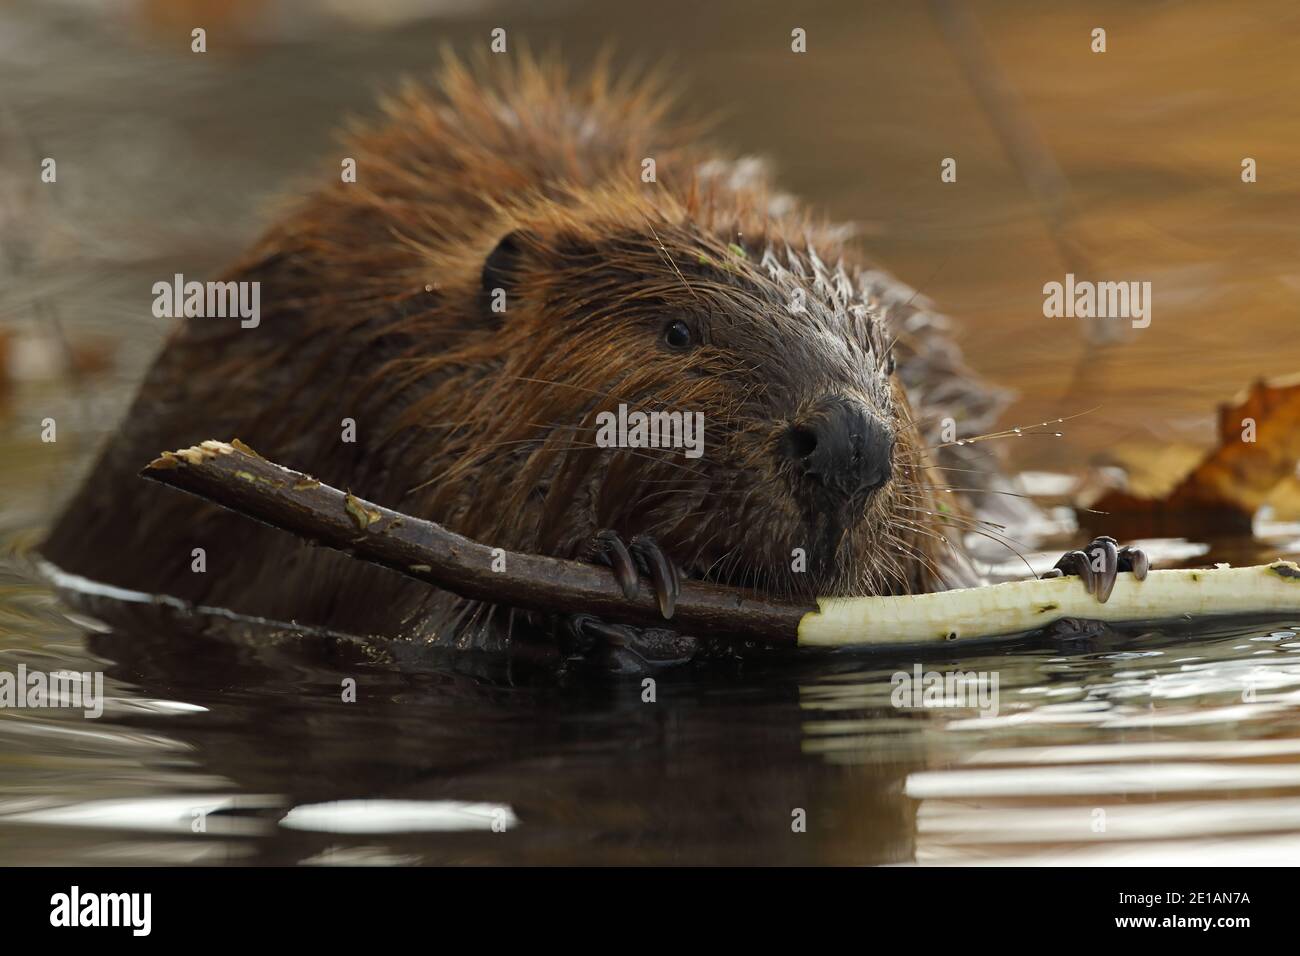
(678,335)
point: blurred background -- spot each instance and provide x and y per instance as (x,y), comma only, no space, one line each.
(1123,166)
(170,161)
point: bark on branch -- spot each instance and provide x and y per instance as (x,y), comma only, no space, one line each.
(235,477)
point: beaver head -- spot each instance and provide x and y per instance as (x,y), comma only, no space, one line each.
(803,480)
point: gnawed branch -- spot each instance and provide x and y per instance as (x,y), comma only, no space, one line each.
(1017,607)
(234,476)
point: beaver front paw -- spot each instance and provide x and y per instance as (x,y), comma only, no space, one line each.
(1099,563)
(623,649)
(641,555)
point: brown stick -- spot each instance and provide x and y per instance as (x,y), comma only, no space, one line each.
(236,477)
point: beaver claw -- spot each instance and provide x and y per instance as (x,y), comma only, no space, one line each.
(1099,563)
(642,555)
(622,649)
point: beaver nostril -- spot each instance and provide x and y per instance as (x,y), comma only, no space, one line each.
(800,442)
(843,449)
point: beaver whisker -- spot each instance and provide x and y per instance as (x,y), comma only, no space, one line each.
(708,572)
(895,568)
(667,256)
(952,517)
(913,526)
(671,523)
(693,563)
(1011,544)
(658,459)
(457,468)
(645,500)
(966,471)
(603,394)
(918,555)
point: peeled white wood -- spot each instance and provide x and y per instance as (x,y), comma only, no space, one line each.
(1019,606)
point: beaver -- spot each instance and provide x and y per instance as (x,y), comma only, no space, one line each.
(443,334)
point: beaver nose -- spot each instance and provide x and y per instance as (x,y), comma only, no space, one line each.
(841,447)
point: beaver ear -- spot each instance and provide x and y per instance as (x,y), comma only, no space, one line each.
(502,265)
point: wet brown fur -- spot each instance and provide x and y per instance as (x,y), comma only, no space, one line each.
(374,309)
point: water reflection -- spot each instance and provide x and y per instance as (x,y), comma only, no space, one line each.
(230,741)
(1180,748)
(399,816)
(246,728)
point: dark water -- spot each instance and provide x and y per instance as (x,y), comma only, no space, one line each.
(222,742)
(1174,747)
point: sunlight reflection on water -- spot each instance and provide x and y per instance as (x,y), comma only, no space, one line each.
(1180,760)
